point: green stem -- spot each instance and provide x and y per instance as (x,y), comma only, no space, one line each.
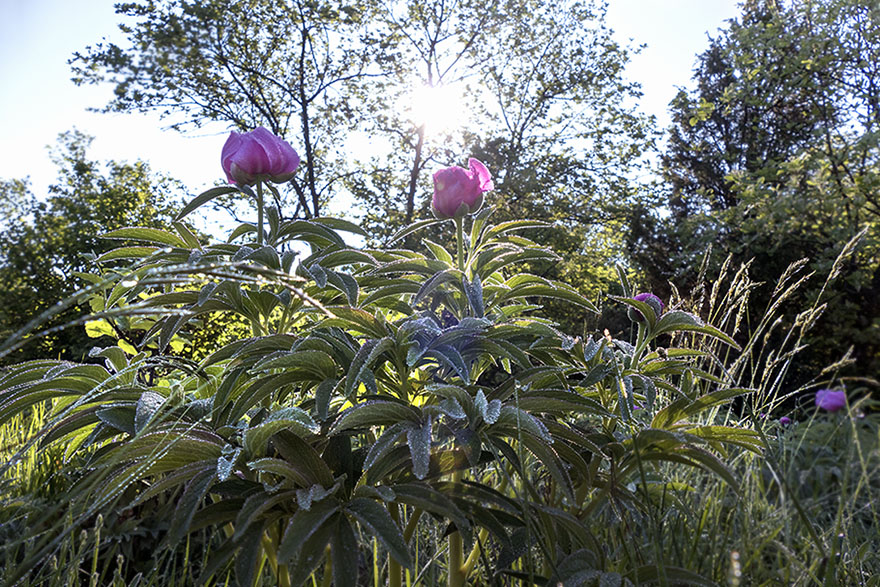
(475,553)
(411,525)
(456,574)
(260,213)
(459,231)
(394,569)
(328,569)
(641,343)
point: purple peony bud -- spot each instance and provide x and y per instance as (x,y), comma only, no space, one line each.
(258,156)
(650,299)
(830,400)
(459,192)
(785,420)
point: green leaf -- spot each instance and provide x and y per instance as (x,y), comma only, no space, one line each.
(203,198)
(152,235)
(302,526)
(677,320)
(422,495)
(291,418)
(303,458)
(435,281)
(418,437)
(248,558)
(413,228)
(376,413)
(340,224)
(514,225)
(356,320)
(344,550)
(188,503)
(438,251)
(363,360)
(378,521)
(127,253)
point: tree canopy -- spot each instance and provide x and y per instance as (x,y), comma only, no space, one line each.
(773,156)
(48,241)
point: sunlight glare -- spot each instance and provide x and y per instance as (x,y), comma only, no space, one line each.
(440,108)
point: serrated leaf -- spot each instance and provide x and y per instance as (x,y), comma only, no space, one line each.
(302,526)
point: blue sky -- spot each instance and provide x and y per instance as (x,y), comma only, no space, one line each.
(38,100)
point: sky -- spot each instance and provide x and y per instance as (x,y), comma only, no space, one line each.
(38,101)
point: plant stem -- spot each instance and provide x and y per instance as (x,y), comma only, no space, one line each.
(475,553)
(328,569)
(260,213)
(394,570)
(459,232)
(641,343)
(456,573)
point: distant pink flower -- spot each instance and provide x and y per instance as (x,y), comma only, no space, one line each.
(459,192)
(258,156)
(830,400)
(785,420)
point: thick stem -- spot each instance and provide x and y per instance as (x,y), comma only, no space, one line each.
(260,213)
(456,574)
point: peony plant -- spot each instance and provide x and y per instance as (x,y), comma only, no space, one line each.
(380,398)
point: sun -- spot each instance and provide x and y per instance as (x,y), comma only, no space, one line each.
(441,108)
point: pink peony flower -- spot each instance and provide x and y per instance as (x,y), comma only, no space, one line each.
(258,156)
(830,400)
(459,192)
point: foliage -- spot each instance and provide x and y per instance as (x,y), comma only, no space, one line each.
(773,156)
(547,106)
(382,394)
(46,243)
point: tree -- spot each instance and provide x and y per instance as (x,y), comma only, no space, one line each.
(774,155)
(552,113)
(47,241)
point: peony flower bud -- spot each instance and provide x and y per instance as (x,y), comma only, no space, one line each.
(459,192)
(258,156)
(650,299)
(830,400)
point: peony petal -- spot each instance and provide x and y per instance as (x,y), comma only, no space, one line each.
(232,145)
(482,174)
